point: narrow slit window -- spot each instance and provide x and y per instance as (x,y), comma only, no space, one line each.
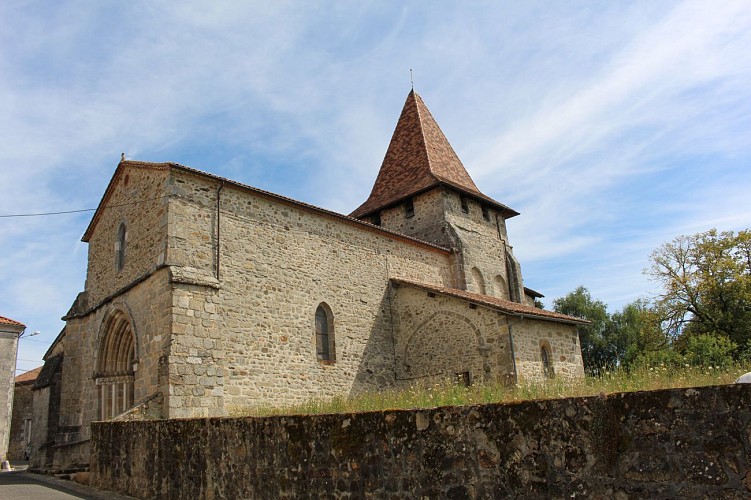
(120,247)
(465,205)
(409,208)
(485,213)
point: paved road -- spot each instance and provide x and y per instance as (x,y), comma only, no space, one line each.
(22,485)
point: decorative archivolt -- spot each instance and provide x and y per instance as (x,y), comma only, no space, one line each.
(116,353)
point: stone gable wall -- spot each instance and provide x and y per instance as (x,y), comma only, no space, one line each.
(680,443)
(138,200)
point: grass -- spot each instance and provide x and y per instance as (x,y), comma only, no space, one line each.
(607,382)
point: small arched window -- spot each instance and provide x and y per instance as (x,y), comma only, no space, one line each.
(325,345)
(547,365)
(120,247)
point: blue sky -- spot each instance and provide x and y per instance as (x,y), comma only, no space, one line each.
(611,126)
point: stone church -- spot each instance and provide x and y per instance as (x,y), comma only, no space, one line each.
(205,296)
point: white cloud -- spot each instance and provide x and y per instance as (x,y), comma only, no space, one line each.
(611,128)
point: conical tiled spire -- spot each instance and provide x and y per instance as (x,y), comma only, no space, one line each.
(419,157)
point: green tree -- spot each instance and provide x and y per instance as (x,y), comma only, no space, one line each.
(709,350)
(636,332)
(596,351)
(706,281)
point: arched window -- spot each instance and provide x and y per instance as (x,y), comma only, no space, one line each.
(120,247)
(479,280)
(547,364)
(325,345)
(115,366)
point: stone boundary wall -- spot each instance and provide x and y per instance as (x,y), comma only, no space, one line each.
(679,443)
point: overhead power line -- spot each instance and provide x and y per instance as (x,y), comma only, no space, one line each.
(63,212)
(49,213)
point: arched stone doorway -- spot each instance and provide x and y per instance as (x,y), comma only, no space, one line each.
(115,366)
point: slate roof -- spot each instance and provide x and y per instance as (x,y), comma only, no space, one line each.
(504,306)
(8,321)
(419,158)
(28,376)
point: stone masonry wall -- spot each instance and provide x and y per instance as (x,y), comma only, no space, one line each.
(22,407)
(681,443)
(484,247)
(439,338)
(561,340)
(277,263)
(438,218)
(147,307)
(8,349)
(138,200)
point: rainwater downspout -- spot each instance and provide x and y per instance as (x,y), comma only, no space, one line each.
(511,345)
(218,227)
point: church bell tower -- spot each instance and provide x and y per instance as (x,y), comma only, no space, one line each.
(424,191)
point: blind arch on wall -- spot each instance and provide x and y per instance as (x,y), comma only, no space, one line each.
(547,360)
(479,280)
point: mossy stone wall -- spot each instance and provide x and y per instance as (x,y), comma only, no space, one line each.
(678,443)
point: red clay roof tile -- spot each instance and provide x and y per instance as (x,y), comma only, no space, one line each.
(28,376)
(8,321)
(419,157)
(505,306)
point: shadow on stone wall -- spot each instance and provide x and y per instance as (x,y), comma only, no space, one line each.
(375,370)
(664,444)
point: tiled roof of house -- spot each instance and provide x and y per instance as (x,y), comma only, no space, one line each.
(505,306)
(28,376)
(419,157)
(8,321)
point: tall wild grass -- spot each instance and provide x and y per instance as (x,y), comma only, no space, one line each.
(450,394)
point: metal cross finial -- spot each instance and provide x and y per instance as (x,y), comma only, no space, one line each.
(411,80)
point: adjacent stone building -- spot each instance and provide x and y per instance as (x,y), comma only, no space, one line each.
(205,296)
(19,446)
(10,331)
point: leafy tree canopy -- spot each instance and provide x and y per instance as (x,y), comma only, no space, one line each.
(706,280)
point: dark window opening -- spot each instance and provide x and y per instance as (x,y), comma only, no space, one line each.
(465,206)
(409,208)
(377,219)
(431,295)
(464,378)
(325,348)
(120,247)
(472,306)
(485,213)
